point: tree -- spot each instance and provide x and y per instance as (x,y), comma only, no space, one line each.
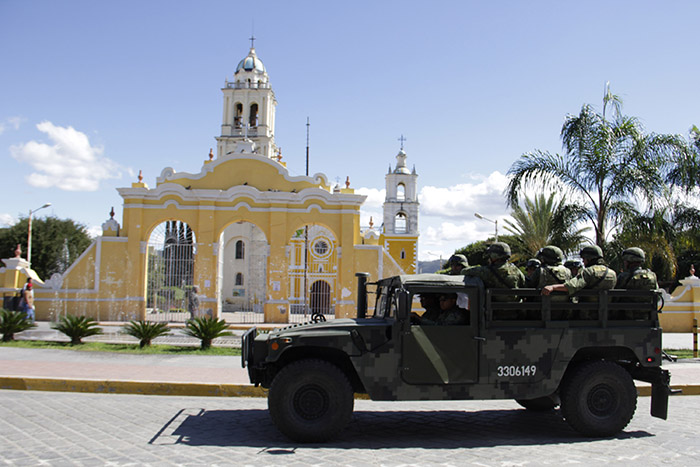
(605,164)
(49,235)
(543,221)
(685,172)
(475,251)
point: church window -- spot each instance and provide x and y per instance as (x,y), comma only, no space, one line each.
(403,254)
(400,223)
(237,116)
(253,115)
(239,278)
(240,249)
(401,192)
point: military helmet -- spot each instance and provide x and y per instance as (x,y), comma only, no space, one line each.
(458,259)
(550,255)
(633,255)
(591,252)
(533,263)
(498,250)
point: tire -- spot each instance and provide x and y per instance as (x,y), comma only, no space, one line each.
(310,401)
(540,404)
(598,399)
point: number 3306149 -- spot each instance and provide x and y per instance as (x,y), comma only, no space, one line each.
(516,370)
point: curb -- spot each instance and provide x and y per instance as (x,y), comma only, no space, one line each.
(190,389)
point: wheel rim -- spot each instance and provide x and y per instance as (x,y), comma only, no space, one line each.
(311,402)
(602,400)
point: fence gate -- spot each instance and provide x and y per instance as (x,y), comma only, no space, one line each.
(169,275)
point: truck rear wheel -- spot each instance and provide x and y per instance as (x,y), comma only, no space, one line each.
(598,399)
(310,401)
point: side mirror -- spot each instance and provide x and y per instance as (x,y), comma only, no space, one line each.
(403,310)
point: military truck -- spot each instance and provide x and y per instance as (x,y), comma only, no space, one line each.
(542,351)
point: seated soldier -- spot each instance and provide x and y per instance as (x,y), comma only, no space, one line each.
(431,303)
(450,313)
(635,277)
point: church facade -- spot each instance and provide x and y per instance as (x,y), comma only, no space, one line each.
(243,235)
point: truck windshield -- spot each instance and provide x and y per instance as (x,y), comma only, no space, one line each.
(383,297)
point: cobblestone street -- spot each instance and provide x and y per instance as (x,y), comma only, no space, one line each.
(96,429)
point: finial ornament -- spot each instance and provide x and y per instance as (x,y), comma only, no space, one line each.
(211,153)
(347,182)
(692,269)
(371,222)
(140,177)
(18,251)
(252,41)
(111,213)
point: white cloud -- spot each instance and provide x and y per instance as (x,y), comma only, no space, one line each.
(94,231)
(70,164)
(372,207)
(485,195)
(11,122)
(7,220)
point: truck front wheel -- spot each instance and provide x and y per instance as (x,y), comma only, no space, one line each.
(598,399)
(310,401)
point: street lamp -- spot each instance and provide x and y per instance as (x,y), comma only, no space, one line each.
(479,216)
(29,234)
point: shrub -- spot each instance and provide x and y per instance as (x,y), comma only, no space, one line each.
(146,331)
(12,322)
(206,329)
(77,327)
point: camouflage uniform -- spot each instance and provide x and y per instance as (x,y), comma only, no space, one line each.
(532,270)
(552,272)
(500,274)
(635,278)
(596,276)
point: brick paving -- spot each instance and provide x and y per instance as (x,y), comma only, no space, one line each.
(56,429)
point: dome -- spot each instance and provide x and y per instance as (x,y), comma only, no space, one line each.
(401,163)
(251,63)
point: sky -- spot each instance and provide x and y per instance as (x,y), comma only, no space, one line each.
(91,93)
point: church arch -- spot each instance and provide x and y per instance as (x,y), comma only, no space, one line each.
(170,260)
(401,192)
(238,115)
(242,272)
(320,298)
(253,116)
(400,223)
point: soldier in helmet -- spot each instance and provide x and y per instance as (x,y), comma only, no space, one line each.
(636,278)
(595,276)
(499,273)
(455,265)
(532,272)
(551,272)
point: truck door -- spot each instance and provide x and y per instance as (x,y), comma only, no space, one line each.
(435,354)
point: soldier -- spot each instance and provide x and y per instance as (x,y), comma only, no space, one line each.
(595,276)
(635,277)
(574,266)
(551,272)
(431,303)
(449,313)
(499,273)
(532,272)
(455,265)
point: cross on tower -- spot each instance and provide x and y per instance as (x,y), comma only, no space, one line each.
(402,139)
(252,41)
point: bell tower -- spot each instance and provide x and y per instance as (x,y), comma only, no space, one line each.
(248,123)
(401,213)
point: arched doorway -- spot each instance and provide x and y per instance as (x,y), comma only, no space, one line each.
(242,272)
(170,271)
(320,298)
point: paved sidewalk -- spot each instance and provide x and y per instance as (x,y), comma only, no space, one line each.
(70,370)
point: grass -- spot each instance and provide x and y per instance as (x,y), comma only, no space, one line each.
(123,348)
(680,353)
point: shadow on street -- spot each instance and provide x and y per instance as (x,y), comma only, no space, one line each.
(377,430)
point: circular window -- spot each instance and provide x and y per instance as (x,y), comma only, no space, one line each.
(321,247)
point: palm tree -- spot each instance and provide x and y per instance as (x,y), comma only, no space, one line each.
(606,162)
(685,171)
(544,221)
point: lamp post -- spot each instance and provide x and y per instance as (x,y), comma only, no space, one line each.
(495,222)
(29,234)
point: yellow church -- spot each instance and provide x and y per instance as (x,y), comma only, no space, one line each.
(252,242)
